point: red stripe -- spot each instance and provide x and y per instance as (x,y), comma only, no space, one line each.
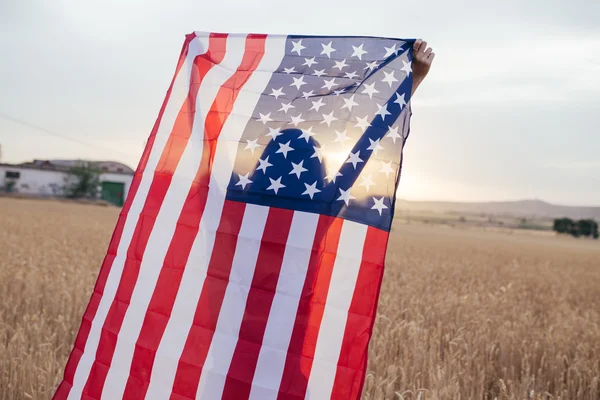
(65,386)
(200,335)
(352,363)
(160,184)
(258,305)
(303,342)
(164,295)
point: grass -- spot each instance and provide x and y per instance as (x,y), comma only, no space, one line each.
(463,314)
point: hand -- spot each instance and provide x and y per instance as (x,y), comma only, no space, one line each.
(422,59)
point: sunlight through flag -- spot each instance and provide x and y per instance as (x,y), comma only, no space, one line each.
(248,258)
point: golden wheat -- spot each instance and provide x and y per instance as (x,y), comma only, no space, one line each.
(462,314)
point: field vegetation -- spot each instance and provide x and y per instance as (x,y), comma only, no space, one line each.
(463,313)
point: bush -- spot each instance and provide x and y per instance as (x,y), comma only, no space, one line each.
(584,227)
(82,182)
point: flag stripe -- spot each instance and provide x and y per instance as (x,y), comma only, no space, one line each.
(84,329)
(155,221)
(341,289)
(186,155)
(189,304)
(302,346)
(280,323)
(177,98)
(361,316)
(231,312)
(187,228)
(198,341)
(258,305)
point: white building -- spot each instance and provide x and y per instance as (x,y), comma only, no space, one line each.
(48,178)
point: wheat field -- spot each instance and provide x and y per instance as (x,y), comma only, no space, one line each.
(462,314)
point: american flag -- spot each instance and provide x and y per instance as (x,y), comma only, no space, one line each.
(248,257)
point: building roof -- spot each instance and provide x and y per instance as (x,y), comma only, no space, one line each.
(65,165)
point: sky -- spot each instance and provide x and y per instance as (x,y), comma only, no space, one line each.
(509,110)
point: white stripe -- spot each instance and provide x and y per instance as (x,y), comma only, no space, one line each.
(273,353)
(182,314)
(222,347)
(341,289)
(166,221)
(178,95)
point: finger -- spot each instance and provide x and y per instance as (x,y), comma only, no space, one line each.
(428,52)
(430,57)
(417,44)
(423,47)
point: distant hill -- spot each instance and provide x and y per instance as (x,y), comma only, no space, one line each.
(523,208)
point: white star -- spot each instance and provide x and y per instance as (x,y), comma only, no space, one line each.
(243,180)
(298,46)
(264,164)
(289,70)
(327,49)
(328,118)
(382,111)
(264,118)
(400,100)
(306,95)
(367,181)
(298,82)
(391,50)
(386,168)
(349,103)
(307,134)
(358,51)
(317,104)
(319,72)
(297,169)
(375,146)
(328,83)
(362,123)
(341,137)
(393,134)
(274,132)
(275,185)
(285,107)
(332,176)
(309,62)
(372,65)
(339,91)
(407,67)
(370,90)
(351,75)
(389,78)
(297,119)
(318,153)
(311,189)
(277,93)
(340,64)
(284,148)
(251,145)
(346,196)
(354,159)
(379,206)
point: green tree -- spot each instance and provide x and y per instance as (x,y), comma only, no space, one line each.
(82,181)
(563,225)
(584,227)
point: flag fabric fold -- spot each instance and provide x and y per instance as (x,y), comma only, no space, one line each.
(248,257)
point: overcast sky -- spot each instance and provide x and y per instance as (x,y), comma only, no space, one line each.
(510,109)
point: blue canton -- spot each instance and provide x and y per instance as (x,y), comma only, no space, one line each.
(327,133)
